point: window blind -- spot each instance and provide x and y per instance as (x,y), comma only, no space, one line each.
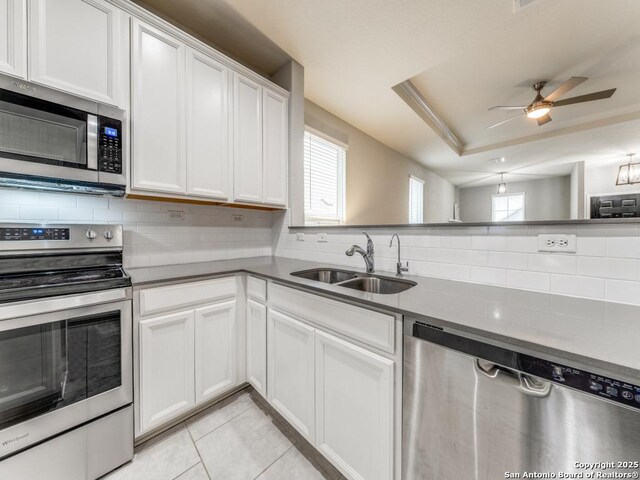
(416,200)
(324,180)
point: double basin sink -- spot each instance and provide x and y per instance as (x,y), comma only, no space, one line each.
(356,281)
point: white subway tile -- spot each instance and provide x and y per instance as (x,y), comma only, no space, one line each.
(108,215)
(517,261)
(623,247)
(57,200)
(529,280)
(38,213)
(623,292)
(616,268)
(578,286)
(491,276)
(553,263)
(592,246)
(489,242)
(76,214)
(522,244)
(18,197)
(87,201)
(9,212)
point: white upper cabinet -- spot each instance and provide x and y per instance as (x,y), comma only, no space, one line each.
(158,110)
(75,46)
(247,145)
(275,148)
(13,37)
(208,156)
(215,354)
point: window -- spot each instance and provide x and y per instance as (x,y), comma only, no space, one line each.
(416,200)
(324,179)
(507,208)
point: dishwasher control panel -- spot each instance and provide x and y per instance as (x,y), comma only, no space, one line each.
(605,387)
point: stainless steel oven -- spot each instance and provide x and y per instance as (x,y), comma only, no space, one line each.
(56,141)
(66,360)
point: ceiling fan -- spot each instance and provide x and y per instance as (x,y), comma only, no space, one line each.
(541,106)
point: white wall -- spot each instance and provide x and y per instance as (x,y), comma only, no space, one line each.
(545,199)
(606,266)
(576,209)
(377,183)
(600,180)
(151,236)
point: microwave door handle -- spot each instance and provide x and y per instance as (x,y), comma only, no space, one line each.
(92,142)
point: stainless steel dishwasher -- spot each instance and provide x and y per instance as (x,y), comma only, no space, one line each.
(476,411)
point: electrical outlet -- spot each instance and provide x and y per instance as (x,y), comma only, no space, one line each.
(322,237)
(557,243)
(300,237)
(176,215)
(236,218)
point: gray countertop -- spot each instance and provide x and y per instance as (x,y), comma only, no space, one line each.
(586,333)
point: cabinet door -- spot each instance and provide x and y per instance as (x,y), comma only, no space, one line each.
(257,346)
(158,110)
(13,41)
(166,368)
(75,47)
(208,156)
(354,409)
(215,333)
(247,134)
(291,371)
(275,145)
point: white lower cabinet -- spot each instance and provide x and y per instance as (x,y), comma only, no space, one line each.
(354,408)
(257,346)
(291,361)
(215,349)
(188,357)
(166,368)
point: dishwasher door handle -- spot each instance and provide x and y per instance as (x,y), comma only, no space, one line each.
(527,384)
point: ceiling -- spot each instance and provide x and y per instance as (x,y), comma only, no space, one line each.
(463,56)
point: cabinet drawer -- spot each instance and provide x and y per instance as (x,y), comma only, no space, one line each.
(257,288)
(373,328)
(173,297)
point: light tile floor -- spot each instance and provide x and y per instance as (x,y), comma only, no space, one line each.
(240,438)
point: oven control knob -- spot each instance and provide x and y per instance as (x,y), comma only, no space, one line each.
(91,234)
(108,234)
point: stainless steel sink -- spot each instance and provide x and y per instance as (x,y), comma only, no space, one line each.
(356,281)
(325,275)
(384,286)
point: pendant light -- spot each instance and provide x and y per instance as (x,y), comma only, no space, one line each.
(629,173)
(502,187)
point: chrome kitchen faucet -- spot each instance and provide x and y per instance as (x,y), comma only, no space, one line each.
(367,255)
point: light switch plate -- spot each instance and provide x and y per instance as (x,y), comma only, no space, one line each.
(557,243)
(300,237)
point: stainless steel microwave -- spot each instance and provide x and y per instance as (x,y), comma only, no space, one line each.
(50,140)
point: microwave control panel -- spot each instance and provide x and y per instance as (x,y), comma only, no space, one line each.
(109,145)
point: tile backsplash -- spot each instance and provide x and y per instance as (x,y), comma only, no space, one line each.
(155,233)
(606,265)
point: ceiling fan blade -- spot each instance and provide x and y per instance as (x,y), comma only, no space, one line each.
(543,120)
(505,107)
(504,121)
(570,84)
(589,97)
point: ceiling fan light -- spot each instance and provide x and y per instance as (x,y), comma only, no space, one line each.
(537,112)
